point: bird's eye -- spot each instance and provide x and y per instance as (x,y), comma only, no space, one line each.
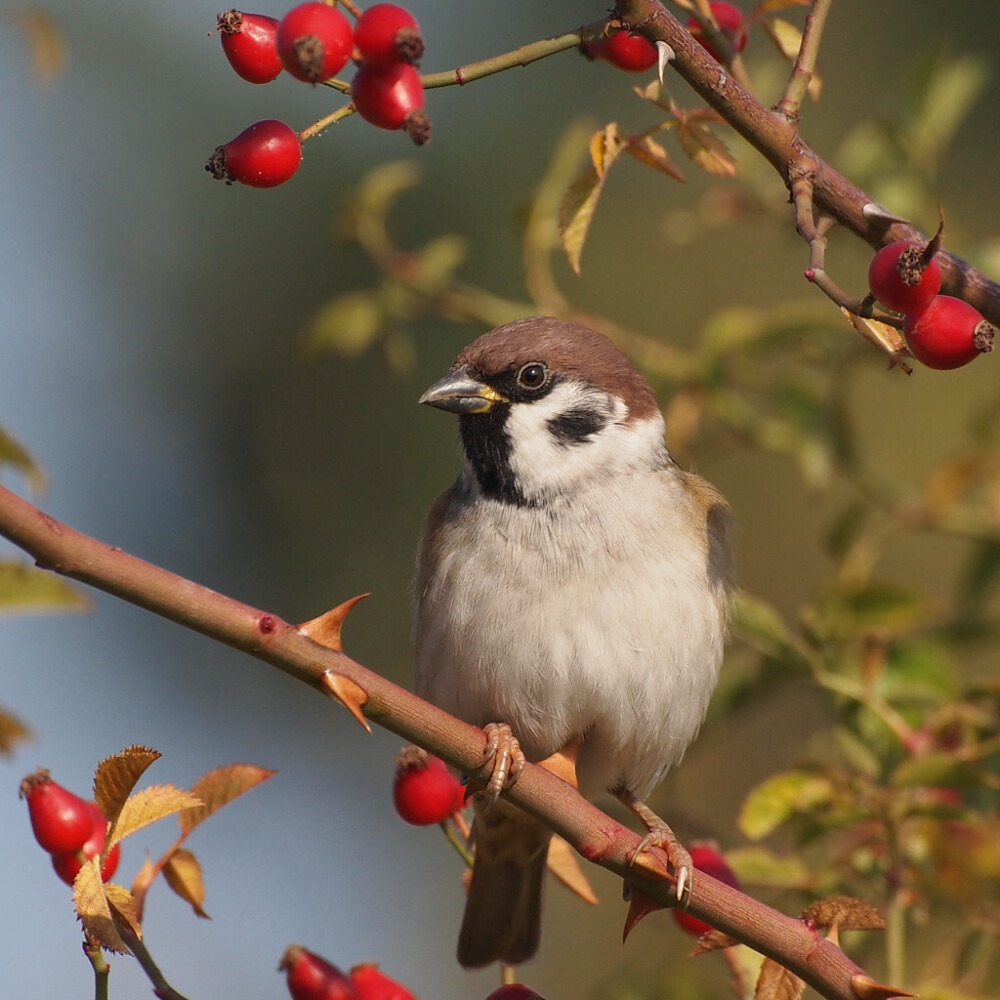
(532,375)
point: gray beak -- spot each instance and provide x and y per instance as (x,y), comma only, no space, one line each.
(459,392)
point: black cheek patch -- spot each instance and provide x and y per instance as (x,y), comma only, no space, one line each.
(576,426)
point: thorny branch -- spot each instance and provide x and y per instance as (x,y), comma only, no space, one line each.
(594,835)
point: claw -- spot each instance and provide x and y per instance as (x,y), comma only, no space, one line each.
(660,835)
(502,760)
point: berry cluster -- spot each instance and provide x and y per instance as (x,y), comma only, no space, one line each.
(424,791)
(941,331)
(71,829)
(312,43)
(311,977)
(635,54)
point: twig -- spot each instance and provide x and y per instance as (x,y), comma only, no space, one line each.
(805,62)
(161,988)
(594,835)
(778,140)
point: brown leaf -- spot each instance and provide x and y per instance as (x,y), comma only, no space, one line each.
(639,906)
(116,776)
(647,150)
(775,982)
(327,627)
(576,211)
(713,940)
(12,731)
(143,880)
(183,875)
(845,913)
(147,806)
(121,901)
(564,864)
(350,694)
(706,150)
(48,47)
(218,787)
(92,908)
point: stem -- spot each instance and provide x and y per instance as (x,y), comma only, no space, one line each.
(895,938)
(324,123)
(805,62)
(102,969)
(161,988)
(458,842)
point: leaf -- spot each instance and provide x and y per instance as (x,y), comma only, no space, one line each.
(12,731)
(845,913)
(12,453)
(775,982)
(24,588)
(348,324)
(776,800)
(576,211)
(713,940)
(183,875)
(706,150)
(116,776)
(767,6)
(947,89)
(92,908)
(647,150)
(48,47)
(219,787)
(762,867)
(934,769)
(147,806)
(433,266)
(123,904)
(563,863)
(760,624)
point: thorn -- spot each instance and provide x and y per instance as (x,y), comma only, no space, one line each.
(935,243)
(640,905)
(879,213)
(865,988)
(664,56)
(350,694)
(325,629)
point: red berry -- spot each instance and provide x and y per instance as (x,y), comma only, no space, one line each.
(901,279)
(514,991)
(314,41)
(310,977)
(424,790)
(60,820)
(731,23)
(949,333)
(392,97)
(370,983)
(706,859)
(250,44)
(264,155)
(387,33)
(67,866)
(632,53)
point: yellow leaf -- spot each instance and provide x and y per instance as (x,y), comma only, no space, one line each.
(13,453)
(12,731)
(48,47)
(777,983)
(647,150)
(24,589)
(708,151)
(563,863)
(121,901)
(116,776)
(218,787)
(93,910)
(605,147)
(147,806)
(183,875)
(348,324)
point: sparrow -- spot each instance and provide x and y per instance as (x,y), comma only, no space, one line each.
(572,585)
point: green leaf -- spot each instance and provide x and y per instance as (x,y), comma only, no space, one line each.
(760,625)
(762,867)
(933,769)
(348,325)
(775,801)
(24,589)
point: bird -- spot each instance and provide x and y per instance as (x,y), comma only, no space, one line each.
(571,596)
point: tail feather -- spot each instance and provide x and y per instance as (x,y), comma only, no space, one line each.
(503,911)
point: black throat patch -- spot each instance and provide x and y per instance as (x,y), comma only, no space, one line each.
(487,446)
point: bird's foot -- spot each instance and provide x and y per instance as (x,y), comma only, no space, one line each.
(502,761)
(660,835)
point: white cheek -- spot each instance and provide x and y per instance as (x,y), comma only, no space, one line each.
(544,464)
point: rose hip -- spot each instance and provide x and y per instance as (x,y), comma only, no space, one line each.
(250,44)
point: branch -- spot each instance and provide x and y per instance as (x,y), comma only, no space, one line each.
(596,836)
(776,137)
